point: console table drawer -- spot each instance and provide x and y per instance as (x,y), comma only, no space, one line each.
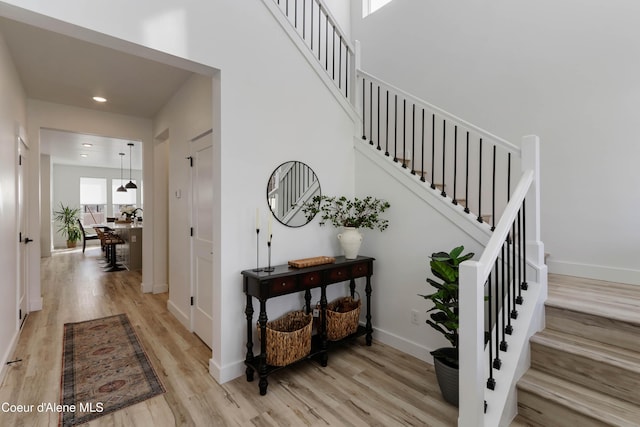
(311,280)
(338,274)
(282,285)
(360,270)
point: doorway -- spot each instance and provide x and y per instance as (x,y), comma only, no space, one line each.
(23,232)
(202,241)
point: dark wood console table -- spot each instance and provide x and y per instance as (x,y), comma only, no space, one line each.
(286,280)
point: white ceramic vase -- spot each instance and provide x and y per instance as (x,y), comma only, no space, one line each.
(350,240)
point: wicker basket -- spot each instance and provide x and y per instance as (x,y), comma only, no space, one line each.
(288,338)
(343,315)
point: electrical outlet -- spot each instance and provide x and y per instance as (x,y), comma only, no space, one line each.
(415,314)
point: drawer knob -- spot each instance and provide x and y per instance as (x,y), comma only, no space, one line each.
(311,279)
(284,283)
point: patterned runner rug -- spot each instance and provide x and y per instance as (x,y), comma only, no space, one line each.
(104,369)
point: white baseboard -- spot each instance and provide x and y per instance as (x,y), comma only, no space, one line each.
(160,288)
(237,369)
(179,314)
(35,304)
(227,373)
(399,343)
(592,271)
(145,289)
(7,356)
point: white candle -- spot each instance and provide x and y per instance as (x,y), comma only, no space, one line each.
(269,226)
(257,218)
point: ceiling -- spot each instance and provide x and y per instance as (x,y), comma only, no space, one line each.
(60,69)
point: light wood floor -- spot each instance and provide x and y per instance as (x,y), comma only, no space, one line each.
(362,386)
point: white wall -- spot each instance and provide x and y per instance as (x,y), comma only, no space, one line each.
(66,189)
(416,230)
(268,114)
(46,235)
(564,71)
(188,114)
(12,115)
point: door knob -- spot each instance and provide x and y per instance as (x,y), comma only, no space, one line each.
(27,240)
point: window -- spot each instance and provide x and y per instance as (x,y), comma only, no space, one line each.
(93,200)
(370,6)
(122,199)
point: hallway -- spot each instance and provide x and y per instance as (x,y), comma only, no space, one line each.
(362,385)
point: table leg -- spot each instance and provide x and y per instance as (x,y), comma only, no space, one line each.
(323,326)
(249,357)
(369,327)
(262,368)
(307,300)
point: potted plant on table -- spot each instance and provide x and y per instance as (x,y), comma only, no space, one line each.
(129,212)
(444,317)
(352,214)
(69,227)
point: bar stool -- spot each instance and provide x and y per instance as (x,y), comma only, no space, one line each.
(109,241)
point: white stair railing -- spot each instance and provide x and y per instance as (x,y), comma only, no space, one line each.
(492,296)
(466,164)
(327,46)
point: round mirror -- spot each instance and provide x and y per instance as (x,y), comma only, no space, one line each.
(290,186)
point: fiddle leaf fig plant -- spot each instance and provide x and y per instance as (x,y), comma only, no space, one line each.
(444,313)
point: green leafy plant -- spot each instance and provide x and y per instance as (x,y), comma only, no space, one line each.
(444,313)
(343,212)
(68,219)
(129,211)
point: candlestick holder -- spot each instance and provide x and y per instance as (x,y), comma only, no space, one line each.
(258,251)
(269,269)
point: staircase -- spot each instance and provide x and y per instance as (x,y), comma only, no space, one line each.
(487,186)
(585,366)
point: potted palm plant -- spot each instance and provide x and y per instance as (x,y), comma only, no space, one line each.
(351,214)
(444,317)
(67,217)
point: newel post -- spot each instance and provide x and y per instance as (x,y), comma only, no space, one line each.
(531,161)
(471,345)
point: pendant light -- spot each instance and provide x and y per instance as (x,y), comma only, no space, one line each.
(130,184)
(121,189)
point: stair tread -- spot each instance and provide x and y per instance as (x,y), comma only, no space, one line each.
(617,301)
(586,347)
(597,405)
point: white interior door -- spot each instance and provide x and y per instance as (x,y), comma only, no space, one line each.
(202,240)
(23,239)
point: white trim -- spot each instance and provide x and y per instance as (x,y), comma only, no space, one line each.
(334,22)
(227,373)
(404,345)
(7,355)
(35,304)
(445,114)
(182,317)
(312,59)
(160,288)
(481,233)
(594,271)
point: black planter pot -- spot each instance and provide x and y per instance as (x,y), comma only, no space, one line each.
(447,374)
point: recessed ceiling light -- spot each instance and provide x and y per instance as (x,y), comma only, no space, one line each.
(84,155)
(99,99)
(86,144)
